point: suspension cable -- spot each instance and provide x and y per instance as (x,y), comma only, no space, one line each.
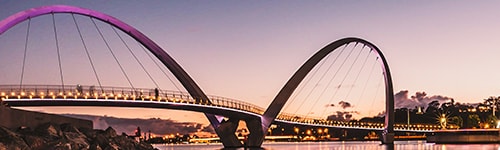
(369,77)
(158,65)
(335,60)
(135,57)
(336,73)
(309,78)
(355,60)
(379,84)
(360,70)
(113,54)
(58,52)
(25,51)
(88,54)
(357,76)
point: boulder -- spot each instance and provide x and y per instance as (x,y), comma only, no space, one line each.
(67,137)
(110,132)
(144,146)
(102,141)
(95,146)
(124,142)
(76,140)
(11,140)
(49,131)
(66,127)
(34,142)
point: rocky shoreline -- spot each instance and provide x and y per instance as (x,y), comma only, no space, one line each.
(66,137)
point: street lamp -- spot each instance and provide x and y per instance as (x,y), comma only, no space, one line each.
(419,112)
(443,121)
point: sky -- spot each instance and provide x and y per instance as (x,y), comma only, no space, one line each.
(247,50)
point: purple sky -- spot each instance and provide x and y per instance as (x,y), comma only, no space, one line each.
(247,50)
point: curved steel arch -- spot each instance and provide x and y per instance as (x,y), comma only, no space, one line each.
(279,101)
(168,61)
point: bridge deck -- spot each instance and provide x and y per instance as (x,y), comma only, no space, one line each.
(57,95)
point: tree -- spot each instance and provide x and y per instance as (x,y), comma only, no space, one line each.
(457,121)
(492,102)
(473,121)
(491,120)
(432,108)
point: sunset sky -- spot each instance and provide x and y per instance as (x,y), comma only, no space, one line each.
(247,50)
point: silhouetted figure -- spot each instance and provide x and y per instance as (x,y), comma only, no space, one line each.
(157,93)
(138,132)
(149,135)
(91,89)
(79,88)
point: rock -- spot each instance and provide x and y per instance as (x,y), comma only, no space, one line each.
(59,145)
(102,141)
(91,134)
(35,142)
(124,142)
(66,127)
(144,146)
(95,146)
(110,132)
(49,131)
(76,140)
(11,140)
(24,130)
(67,137)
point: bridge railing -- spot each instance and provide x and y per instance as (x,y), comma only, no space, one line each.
(118,93)
(353,124)
(146,94)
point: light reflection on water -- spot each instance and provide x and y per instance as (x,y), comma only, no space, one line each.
(349,145)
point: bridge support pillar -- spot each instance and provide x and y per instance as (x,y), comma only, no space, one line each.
(387,138)
(226,132)
(256,136)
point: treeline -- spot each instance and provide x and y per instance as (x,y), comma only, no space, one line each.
(453,114)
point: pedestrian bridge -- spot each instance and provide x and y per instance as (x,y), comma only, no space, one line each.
(80,95)
(223,113)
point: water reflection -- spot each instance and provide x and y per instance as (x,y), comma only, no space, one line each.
(349,145)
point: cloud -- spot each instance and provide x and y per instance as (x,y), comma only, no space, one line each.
(342,116)
(403,100)
(381,114)
(330,105)
(345,104)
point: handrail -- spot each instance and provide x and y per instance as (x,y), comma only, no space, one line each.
(146,94)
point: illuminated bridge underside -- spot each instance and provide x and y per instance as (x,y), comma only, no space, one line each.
(148,98)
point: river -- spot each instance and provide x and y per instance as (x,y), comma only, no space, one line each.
(339,145)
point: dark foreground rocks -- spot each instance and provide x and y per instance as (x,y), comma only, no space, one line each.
(67,137)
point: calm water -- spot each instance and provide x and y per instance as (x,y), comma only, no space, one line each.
(350,145)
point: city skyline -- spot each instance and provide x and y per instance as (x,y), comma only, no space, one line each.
(428,45)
